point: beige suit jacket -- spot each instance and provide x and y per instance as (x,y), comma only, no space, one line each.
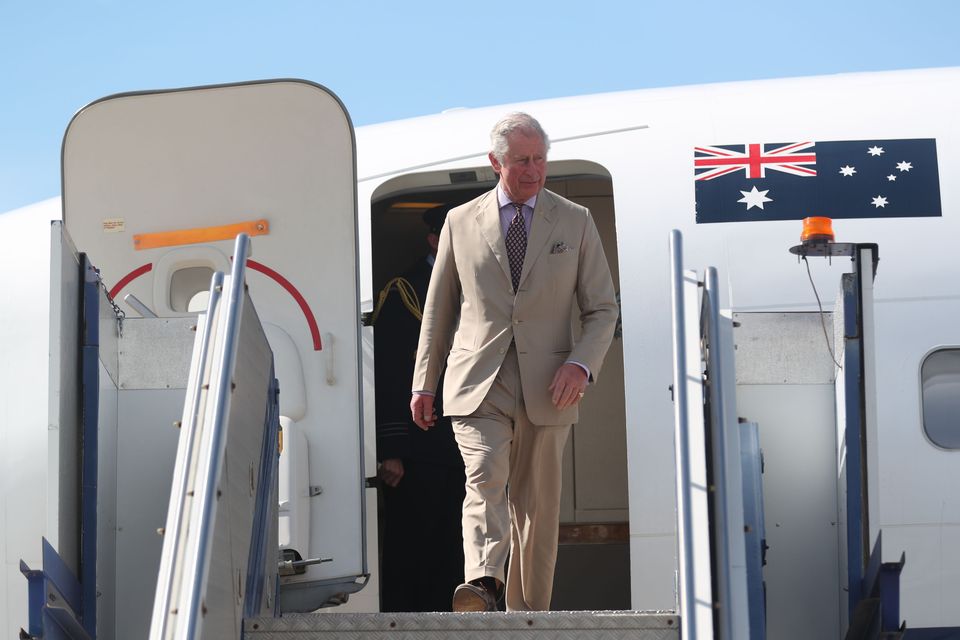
(471,314)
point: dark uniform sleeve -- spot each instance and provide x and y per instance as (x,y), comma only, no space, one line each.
(395,337)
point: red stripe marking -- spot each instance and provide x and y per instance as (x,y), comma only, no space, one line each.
(787,148)
(256,266)
(755,154)
(292,290)
(812,172)
(746,161)
(127,279)
(714,151)
(716,174)
(717,162)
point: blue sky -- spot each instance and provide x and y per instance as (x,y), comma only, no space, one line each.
(391,59)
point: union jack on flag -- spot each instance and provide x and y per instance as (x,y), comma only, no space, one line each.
(797,158)
(879,178)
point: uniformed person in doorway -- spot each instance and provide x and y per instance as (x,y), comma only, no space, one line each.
(421,472)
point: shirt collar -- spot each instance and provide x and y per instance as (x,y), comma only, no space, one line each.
(503,199)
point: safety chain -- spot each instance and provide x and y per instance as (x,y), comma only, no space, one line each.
(117,311)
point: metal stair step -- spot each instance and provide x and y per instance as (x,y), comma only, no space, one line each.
(541,625)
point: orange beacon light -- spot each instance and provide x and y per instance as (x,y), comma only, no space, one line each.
(816,229)
(816,239)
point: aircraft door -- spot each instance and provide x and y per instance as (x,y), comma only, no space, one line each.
(156,186)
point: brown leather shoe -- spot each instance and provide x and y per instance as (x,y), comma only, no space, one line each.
(473,597)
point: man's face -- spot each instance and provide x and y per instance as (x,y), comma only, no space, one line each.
(524,167)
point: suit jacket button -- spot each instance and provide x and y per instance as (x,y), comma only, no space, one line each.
(503,350)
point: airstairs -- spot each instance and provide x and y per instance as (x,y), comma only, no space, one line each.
(220,574)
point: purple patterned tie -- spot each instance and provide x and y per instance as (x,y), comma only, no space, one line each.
(516,245)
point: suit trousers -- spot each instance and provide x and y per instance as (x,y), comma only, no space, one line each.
(513,476)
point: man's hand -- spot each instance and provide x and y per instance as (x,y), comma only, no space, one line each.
(391,471)
(568,385)
(421,408)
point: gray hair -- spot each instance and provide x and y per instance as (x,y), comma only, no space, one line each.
(517,121)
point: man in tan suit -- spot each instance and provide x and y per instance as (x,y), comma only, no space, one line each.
(499,316)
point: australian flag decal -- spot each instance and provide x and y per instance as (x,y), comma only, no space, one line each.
(840,179)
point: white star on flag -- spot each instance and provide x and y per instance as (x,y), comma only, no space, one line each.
(879,201)
(904,166)
(892,178)
(848,170)
(875,151)
(754,198)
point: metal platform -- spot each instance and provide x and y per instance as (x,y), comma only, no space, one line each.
(541,625)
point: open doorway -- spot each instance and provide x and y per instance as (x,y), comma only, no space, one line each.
(593,561)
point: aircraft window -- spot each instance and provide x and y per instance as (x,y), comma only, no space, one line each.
(940,386)
(189,289)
